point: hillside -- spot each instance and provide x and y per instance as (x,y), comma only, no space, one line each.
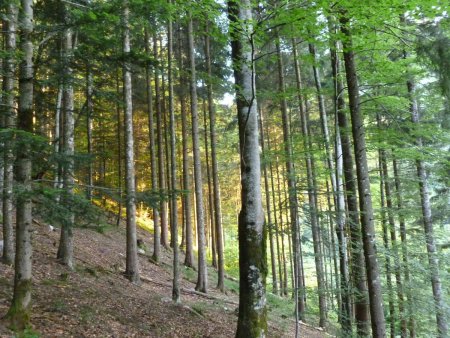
(95,300)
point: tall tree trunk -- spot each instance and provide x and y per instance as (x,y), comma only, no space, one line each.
(202,277)
(215,169)
(292,188)
(173,166)
(284,287)
(365,197)
(119,148)
(210,219)
(270,224)
(276,224)
(433,261)
(19,311)
(153,167)
(398,194)
(387,253)
(394,245)
(187,201)
(341,217)
(89,112)
(132,263)
(9,122)
(252,321)
(65,249)
(311,196)
(160,140)
(357,255)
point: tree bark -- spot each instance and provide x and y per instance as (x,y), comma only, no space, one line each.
(132,263)
(153,166)
(291,177)
(65,249)
(270,224)
(159,132)
(252,320)
(215,169)
(187,201)
(365,197)
(9,122)
(311,196)
(339,106)
(202,277)
(19,311)
(433,261)
(173,166)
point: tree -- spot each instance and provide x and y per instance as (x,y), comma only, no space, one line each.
(252,321)
(365,198)
(132,263)
(9,121)
(202,276)
(19,311)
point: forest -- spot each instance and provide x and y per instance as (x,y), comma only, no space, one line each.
(275,168)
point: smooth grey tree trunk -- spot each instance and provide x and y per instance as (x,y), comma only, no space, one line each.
(365,197)
(20,309)
(89,113)
(252,320)
(202,276)
(132,263)
(8,110)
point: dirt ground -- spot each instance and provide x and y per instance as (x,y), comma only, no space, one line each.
(96,300)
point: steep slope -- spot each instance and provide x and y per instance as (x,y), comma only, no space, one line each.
(95,300)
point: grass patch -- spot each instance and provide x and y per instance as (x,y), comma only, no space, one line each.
(87,314)
(27,333)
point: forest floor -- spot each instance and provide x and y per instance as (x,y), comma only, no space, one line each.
(96,300)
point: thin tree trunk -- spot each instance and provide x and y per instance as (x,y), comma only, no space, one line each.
(159,133)
(187,202)
(292,189)
(89,112)
(9,122)
(202,277)
(276,223)
(365,197)
(215,170)
(173,166)
(119,149)
(357,255)
(283,251)
(210,219)
(394,246)
(153,166)
(269,223)
(132,263)
(341,218)
(65,249)
(20,310)
(387,263)
(398,194)
(252,321)
(311,197)
(433,261)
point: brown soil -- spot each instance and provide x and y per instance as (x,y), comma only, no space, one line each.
(96,300)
